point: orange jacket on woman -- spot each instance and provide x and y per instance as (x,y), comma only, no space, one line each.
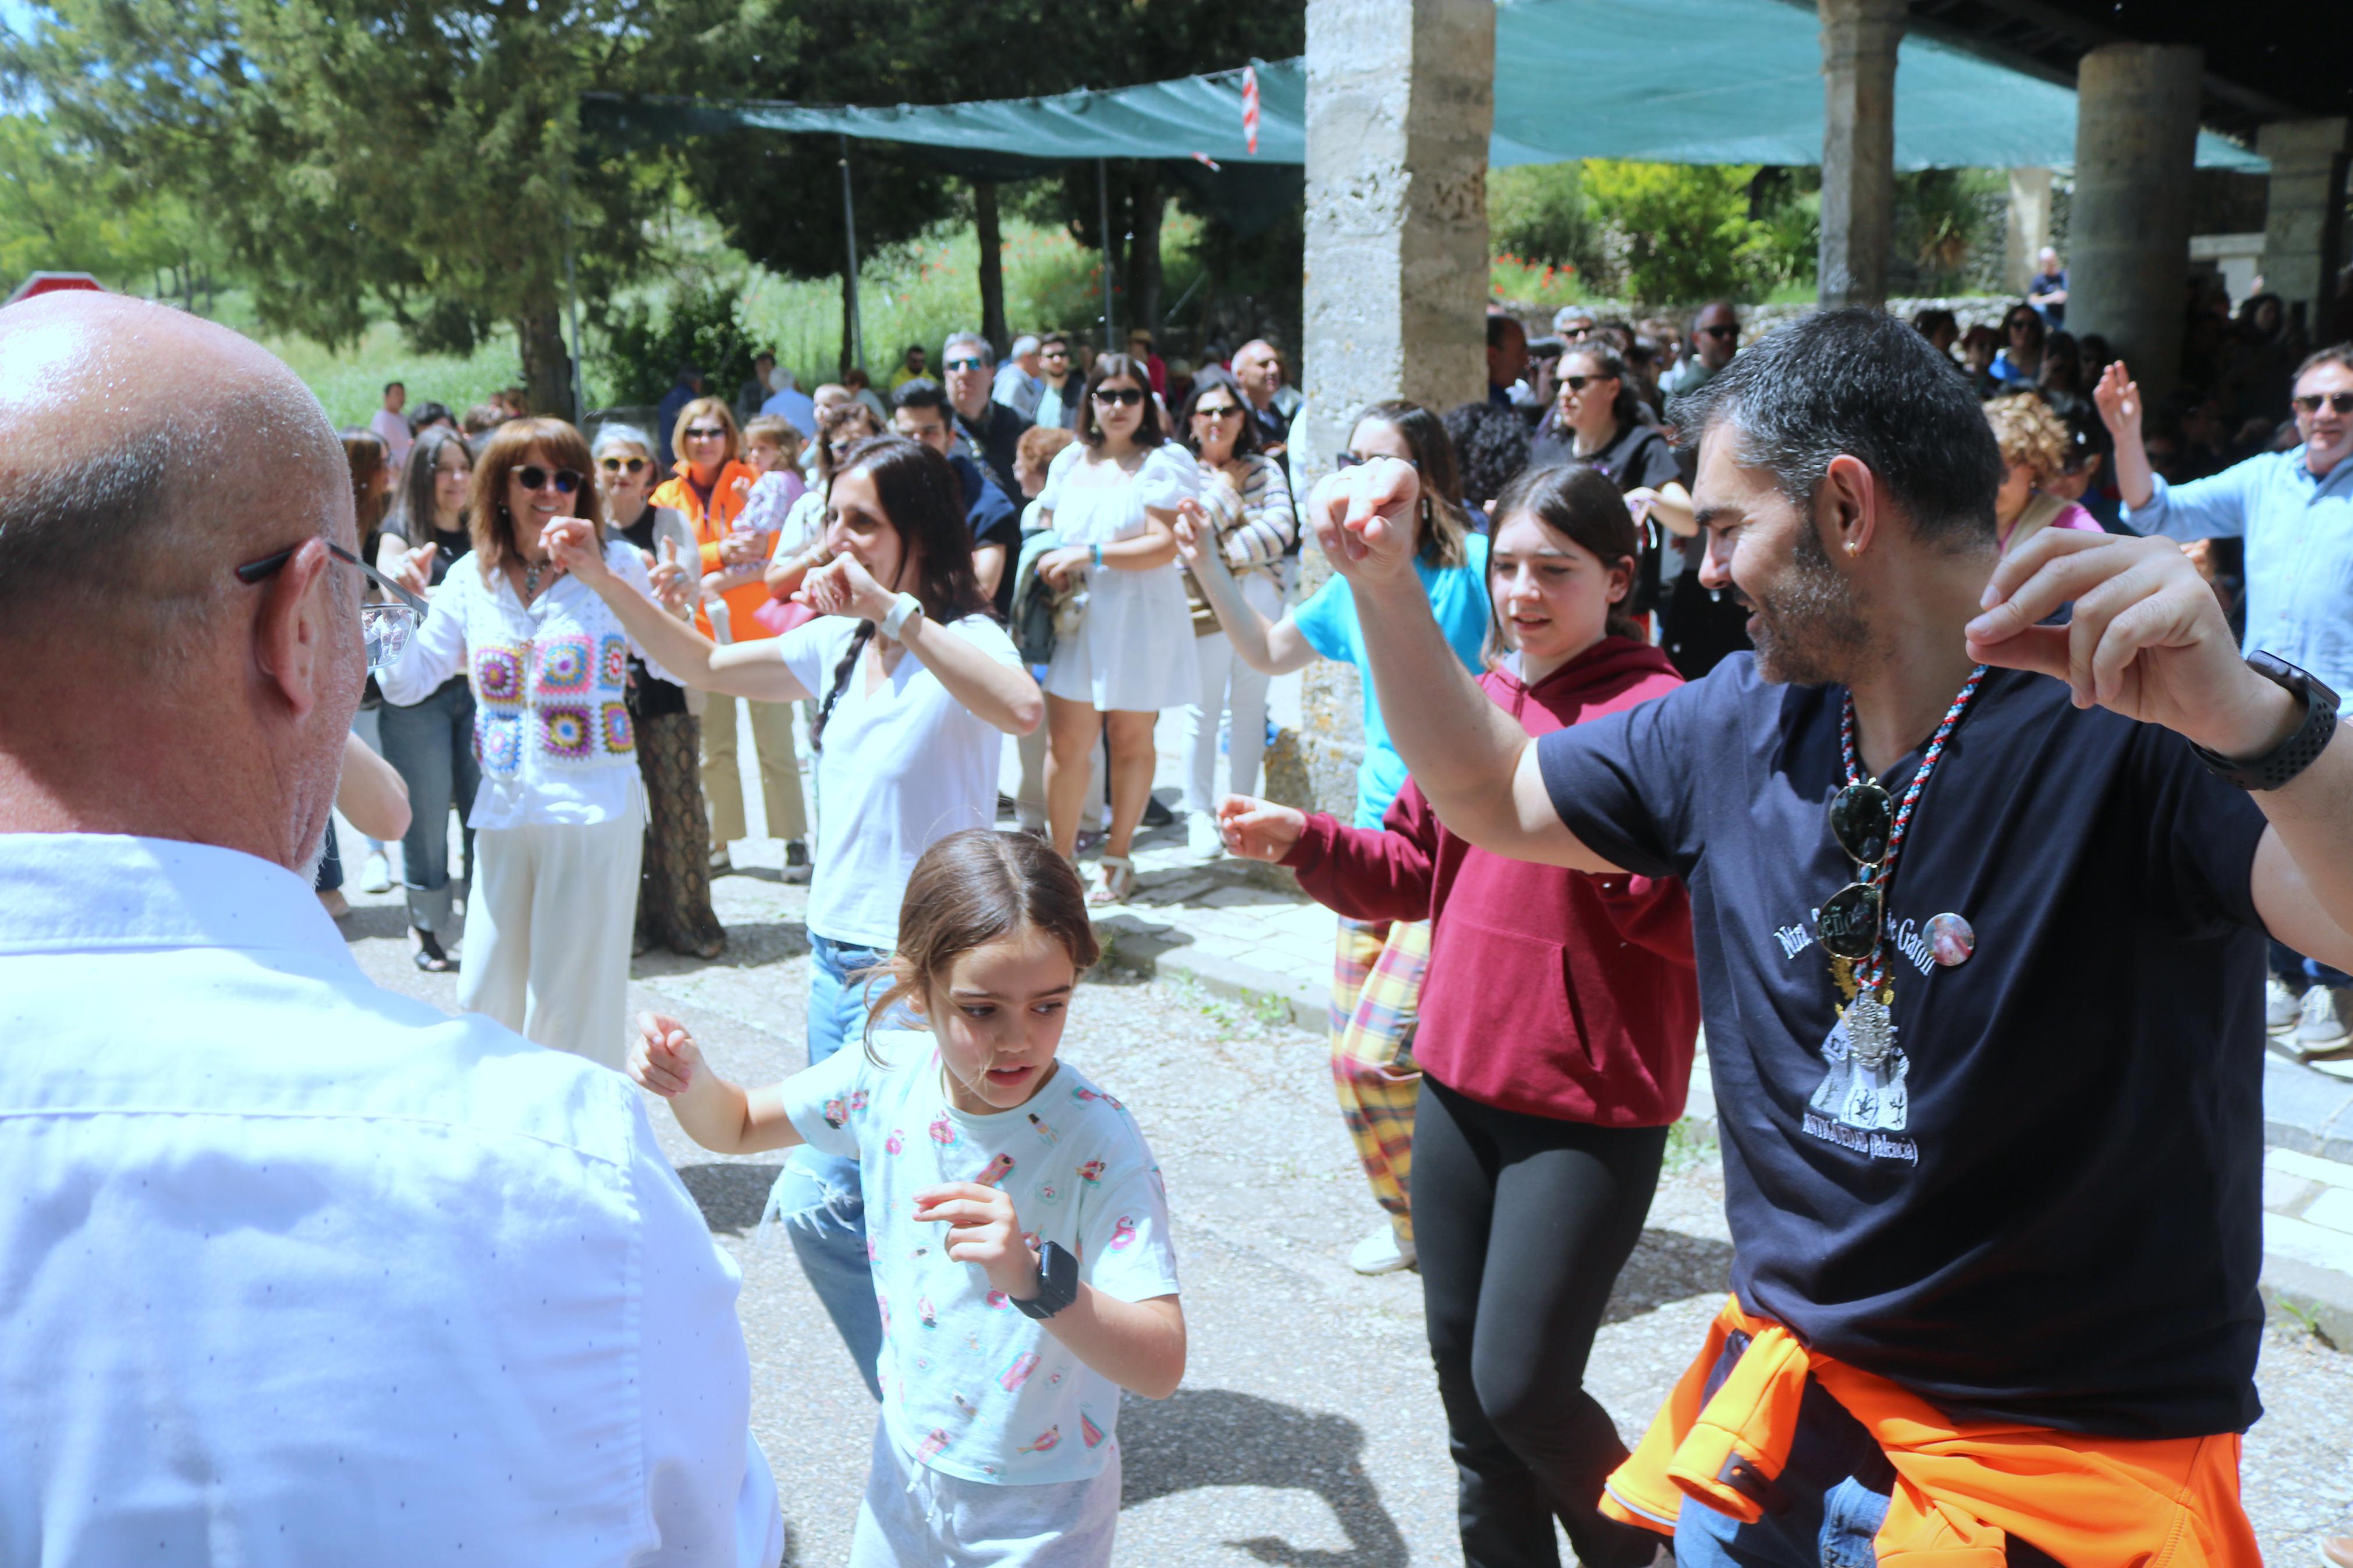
(727,498)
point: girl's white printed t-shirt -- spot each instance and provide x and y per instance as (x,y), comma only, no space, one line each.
(971,1386)
(902,767)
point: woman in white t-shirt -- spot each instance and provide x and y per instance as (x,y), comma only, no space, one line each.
(1111,501)
(915,685)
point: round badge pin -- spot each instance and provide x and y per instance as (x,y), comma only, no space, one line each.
(1950,940)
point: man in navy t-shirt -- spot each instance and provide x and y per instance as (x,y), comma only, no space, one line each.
(1990,1107)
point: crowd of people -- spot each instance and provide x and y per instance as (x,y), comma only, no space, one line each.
(1664,643)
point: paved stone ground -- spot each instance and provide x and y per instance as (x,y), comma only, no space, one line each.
(1308,1431)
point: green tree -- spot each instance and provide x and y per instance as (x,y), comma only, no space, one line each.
(1685,228)
(413,158)
(65,209)
(1538,213)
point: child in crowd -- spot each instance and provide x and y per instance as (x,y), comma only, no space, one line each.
(1015,1218)
(772,447)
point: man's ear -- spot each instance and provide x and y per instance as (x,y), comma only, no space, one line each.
(292,639)
(1848,509)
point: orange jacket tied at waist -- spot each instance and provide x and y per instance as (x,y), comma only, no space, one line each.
(1961,1488)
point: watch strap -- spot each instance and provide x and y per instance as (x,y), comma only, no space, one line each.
(906,608)
(2283,762)
(1058,1283)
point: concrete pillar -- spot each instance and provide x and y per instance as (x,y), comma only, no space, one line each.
(1859,40)
(2128,227)
(1400,103)
(2303,216)
(2030,227)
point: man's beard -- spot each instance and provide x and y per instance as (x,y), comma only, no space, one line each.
(1805,628)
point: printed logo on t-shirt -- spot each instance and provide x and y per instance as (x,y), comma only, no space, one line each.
(1863,1102)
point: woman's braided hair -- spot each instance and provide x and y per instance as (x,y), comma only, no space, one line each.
(923,501)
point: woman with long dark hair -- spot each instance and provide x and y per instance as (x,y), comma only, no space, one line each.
(1378,964)
(917,685)
(431,741)
(1556,1043)
(1247,500)
(1111,499)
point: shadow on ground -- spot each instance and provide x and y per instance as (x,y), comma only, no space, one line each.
(731,1195)
(751,944)
(1668,1266)
(1215,1438)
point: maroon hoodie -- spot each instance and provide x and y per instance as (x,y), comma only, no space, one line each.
(1551,993)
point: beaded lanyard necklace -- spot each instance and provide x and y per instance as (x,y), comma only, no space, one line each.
(1871,1029)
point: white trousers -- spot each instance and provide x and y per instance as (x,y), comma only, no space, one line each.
(547,931)
(1229,686)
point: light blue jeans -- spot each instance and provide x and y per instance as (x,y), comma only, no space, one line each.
(818,1196)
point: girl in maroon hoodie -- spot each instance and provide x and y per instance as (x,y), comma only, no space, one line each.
(1555,1043)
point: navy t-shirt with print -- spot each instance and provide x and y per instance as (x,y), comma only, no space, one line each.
(2045,1208)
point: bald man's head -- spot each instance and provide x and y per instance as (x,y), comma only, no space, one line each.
(143,453)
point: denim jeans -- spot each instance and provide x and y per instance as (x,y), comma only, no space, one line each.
(2300,972)
(431,745)
(817,1196)
(1826,1505)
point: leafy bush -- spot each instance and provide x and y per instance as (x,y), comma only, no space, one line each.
(1538,213)
(696,326)
(1685,229)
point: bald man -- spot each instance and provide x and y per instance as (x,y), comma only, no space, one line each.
(296,1269)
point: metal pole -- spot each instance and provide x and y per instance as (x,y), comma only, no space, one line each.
(1102,197)
(850,279)
(572,304)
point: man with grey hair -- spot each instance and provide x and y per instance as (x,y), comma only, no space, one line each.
(289,1259)
(990,430)
(1018,384)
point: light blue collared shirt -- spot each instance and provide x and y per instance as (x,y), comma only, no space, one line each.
(2298,526)
(296,1270)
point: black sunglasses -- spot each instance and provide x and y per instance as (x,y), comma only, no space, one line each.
(1720,332)
(706,433)
(535,478)
(620,465)
(271,565)
(967,365)
(1125,396)
(2342,401)
(1862,817)
(1215,410)
(1579,383)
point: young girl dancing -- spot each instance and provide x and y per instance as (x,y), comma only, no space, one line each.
(1020,1236)
(1556,1043)
(915,687)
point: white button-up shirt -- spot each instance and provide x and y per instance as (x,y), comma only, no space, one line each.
(297,1270)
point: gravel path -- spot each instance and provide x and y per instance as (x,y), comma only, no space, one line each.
(1308,1431)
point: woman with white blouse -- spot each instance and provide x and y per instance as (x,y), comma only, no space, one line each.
(1245,501)
(915,687)
(559,816)
(1111,499)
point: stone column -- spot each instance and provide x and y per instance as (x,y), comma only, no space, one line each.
(1400,103)
(2129,228)
(2303,222)
(1859,40)
(2030,227)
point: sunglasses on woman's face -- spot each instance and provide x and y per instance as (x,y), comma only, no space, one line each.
(625,465)
(706,433)
(2341,402)
(532,476)
(1579,383)
(1215,411)
(1125,396)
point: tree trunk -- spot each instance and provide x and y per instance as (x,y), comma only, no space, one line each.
(992,264)
(1146,203)
(848,294)
(546,366)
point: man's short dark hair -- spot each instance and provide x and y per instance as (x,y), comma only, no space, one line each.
(922,392)
(1501,328)
(1858,383)
(390,385)
(768,354)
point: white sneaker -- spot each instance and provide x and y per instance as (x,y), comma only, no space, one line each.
(2327,1014)
(376,876)
(2283,1006)
(1202,839)
(1381,1252)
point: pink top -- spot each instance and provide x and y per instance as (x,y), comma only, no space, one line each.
(2071,515)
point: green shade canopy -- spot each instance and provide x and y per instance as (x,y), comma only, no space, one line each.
(1669,81)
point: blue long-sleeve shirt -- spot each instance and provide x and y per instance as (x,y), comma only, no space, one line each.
(2298,526)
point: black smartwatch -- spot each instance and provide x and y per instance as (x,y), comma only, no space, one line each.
(2299,751)
(1058,1283)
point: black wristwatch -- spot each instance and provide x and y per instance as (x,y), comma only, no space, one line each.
(1058,1283)
(2296,754)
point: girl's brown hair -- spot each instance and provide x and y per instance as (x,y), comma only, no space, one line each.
(1120,367)
(831,423)
(508,448)
(969,890)
(1578,502)
(367,457)
(1439,535)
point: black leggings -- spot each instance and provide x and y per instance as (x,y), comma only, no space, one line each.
(1522,1223)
